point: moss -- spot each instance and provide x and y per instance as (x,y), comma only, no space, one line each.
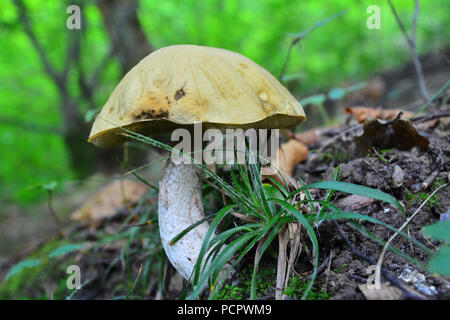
(413,199)
(265,284)
(46,281)
(298,284)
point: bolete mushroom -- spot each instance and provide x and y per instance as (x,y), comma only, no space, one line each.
(178,86)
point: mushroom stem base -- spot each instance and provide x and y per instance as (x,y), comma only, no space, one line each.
(179,206)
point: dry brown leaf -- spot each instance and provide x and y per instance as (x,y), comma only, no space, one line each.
(354,202)
(289,154)
(386,292)
(315,135)
(309,137)
(379,134)
(109,200)
(361,114)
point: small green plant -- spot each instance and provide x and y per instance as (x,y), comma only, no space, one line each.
(298,284)
(265,283)
(412,198)
(231,292)
(440,261)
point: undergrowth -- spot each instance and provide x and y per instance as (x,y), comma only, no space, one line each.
(269,207)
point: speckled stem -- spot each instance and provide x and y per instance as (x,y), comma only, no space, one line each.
(180,205)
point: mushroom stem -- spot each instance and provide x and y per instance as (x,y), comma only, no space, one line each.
(179,206)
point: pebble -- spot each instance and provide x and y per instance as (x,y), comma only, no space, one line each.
(419,281)
(445,216)
(397,177)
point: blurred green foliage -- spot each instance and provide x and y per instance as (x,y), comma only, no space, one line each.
(344,50)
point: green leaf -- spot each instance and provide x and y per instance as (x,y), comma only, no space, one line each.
(188,229)
(30,263)
(316,99)
(90,115)
(50,186)
(354,189)
(336,93)
(440,263)
(438,231)
(66,249)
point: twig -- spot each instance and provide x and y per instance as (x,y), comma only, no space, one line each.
(322,267)
(444,56)
(433,97)
(243,217)
(411,40)
(50,209)
(30,126)
(302,35)
(34,41)
(380,259)
(431,117)
(386,274)
(328,269)
(428,181)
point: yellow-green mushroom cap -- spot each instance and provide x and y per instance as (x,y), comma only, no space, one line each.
(178,86)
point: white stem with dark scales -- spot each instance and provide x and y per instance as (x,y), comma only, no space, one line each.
(179,206)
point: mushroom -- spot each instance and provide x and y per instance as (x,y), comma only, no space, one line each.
(178,86)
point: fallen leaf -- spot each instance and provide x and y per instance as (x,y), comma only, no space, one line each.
(289,154)
(109,200)
(315,135)
(354,202)
(362,114)
(385,292)
(309,137)
(378,134)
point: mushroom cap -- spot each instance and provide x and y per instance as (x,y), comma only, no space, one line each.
(180,85)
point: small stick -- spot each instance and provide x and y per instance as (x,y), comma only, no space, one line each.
(328,269)
(380,259)
(243,217)
(386,274)
(428,181)
(411,40)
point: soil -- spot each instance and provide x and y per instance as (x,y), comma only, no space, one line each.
(417,165)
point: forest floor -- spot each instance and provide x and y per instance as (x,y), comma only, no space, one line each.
(345,253)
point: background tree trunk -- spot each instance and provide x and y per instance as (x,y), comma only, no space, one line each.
(125,31)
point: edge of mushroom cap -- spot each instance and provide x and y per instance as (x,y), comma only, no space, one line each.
(117,135)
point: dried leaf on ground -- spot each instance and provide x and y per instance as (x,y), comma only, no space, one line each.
(315,135)
(362,114)
(354,202)
(386,292)
(289,154)
(378,134)
(309,137)
(109,200)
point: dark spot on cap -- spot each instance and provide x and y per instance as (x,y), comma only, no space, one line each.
(179,94)
(151,114)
